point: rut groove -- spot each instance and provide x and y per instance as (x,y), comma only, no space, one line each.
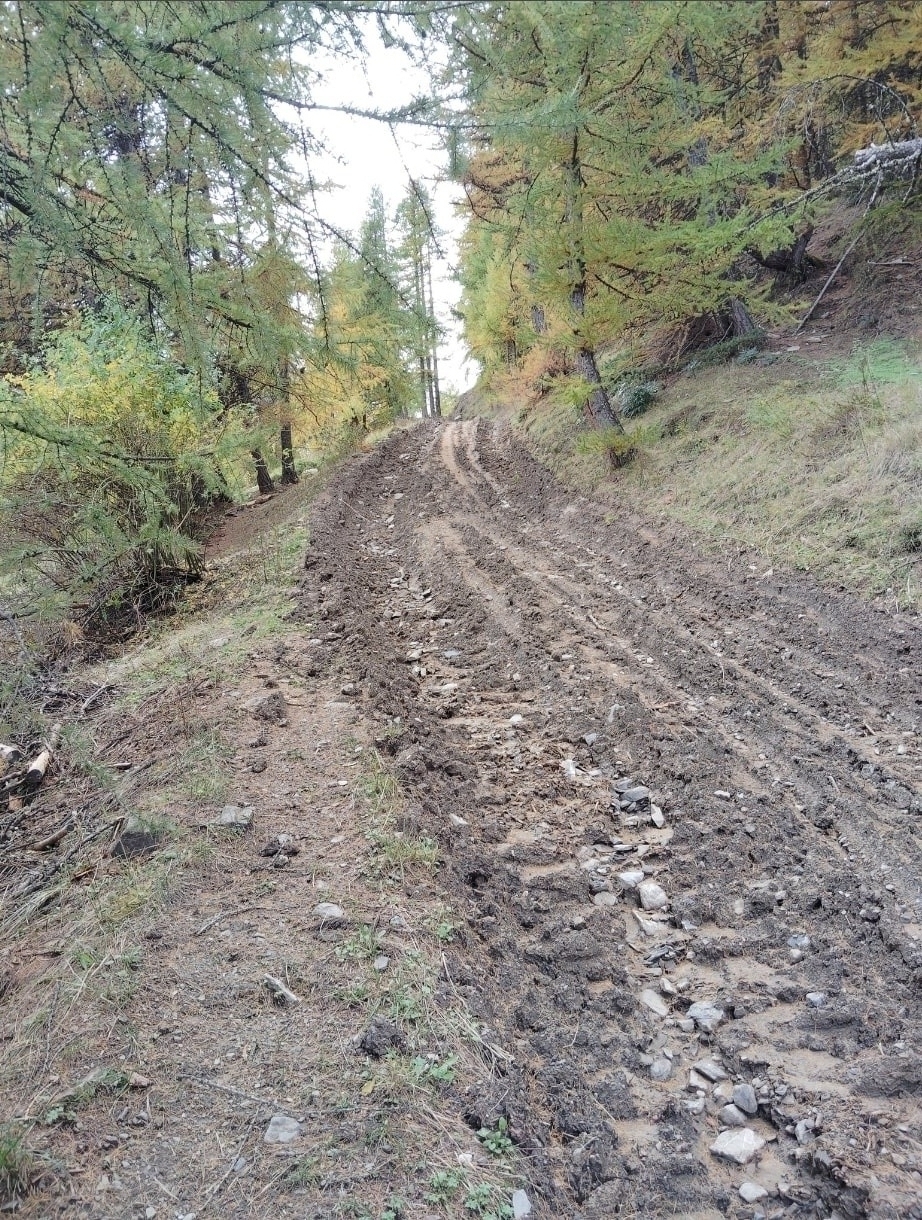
(522,650)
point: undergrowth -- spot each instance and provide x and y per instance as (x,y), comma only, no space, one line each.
(816,463)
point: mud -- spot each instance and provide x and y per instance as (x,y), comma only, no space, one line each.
(521,651)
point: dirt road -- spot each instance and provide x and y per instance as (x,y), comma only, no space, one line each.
(530,659)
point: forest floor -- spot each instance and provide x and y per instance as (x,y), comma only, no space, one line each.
(619,841)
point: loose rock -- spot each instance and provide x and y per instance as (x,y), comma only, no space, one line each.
(235,817)
(660,1069)
(744,1096)
(329,912)
(652,896)
(272,709)
(731,1117)
(282,1130)
(631,878)
(635,796)
(816,999)
(521,1205)
(706,1016)
(605,898)
(752,1192)
(655,1002)
(739,1146)
(713,1071)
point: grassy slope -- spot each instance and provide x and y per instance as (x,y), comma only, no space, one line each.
(815,461)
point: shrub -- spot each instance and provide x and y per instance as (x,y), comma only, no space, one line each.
(110,452)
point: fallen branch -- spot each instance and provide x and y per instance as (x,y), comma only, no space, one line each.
(280,993)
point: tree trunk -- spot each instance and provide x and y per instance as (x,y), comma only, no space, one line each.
(538,320)
(263,478)
(436,389)
(742,322)
(289,474)
(598,403)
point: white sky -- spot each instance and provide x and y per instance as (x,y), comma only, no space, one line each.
(369,155)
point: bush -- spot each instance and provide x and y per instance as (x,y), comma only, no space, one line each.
(634,397)
(110,452)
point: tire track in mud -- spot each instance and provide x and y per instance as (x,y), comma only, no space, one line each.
(522,657)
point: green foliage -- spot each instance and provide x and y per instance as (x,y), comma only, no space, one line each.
(634,397)
(443,1186)
(629,160)
(486,1202)
(435,1071)
(110,453)
(496,1139)
(18,1165)
(883,362)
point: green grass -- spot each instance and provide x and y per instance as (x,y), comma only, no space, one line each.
(817,464)
(18,1163)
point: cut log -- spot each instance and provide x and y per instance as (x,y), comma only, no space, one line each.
(8,755)
(39,765)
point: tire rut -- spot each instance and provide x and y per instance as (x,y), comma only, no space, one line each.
(523,661)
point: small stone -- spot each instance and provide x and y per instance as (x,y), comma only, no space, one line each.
(744,1096)
(149,1212)
(516,720)
(282,1130)
(656,817)
(635,796)
(799,941)
(280,844)
(694,1105)
(521,1205)
(697,1082)
(655,1002)
(666,987)
(329,911)
(752,1192)
(803,1131)
(631,878)
(606,898)
(382,961)
(590,739)
(816,999)
(706,1016)
(731,1117)
(660,1069)
(686,1025)
(723,795)
(740,1145)
(713,1071)
(652,896)
(237,817)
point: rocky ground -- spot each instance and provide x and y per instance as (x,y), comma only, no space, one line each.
(588,862)
(678,798)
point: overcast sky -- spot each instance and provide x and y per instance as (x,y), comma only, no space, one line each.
(368,154)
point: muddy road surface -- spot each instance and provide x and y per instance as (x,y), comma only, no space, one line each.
(678,801)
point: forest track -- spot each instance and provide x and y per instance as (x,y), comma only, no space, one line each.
(521,650)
